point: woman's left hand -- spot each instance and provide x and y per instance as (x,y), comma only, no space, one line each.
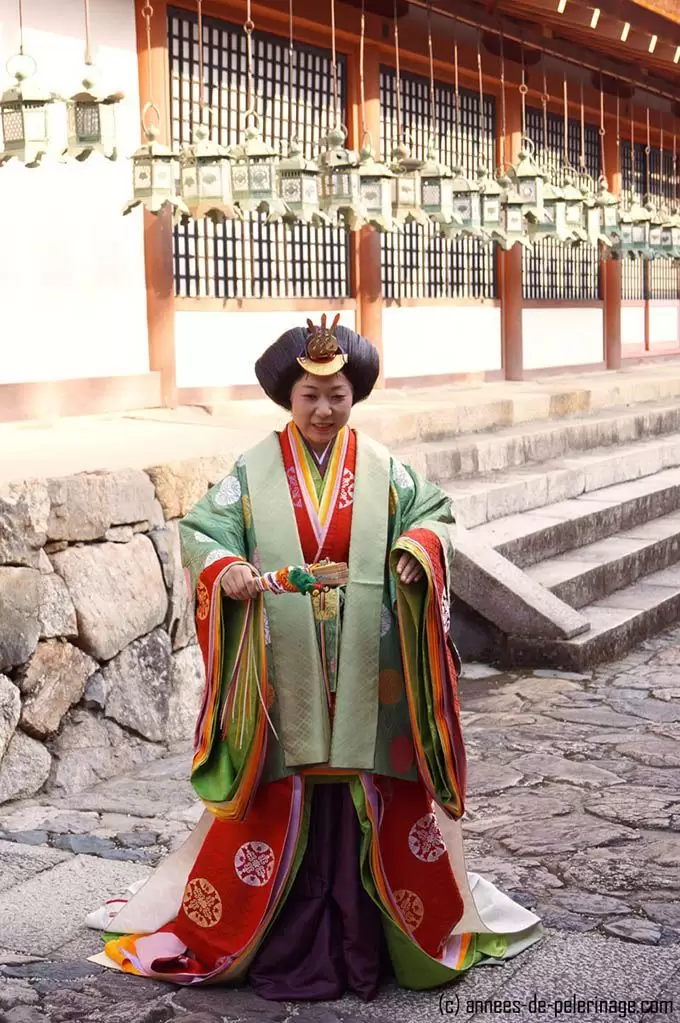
(409,569)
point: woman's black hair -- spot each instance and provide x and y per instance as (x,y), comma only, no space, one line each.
(277,369)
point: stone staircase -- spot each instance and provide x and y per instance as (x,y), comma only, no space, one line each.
(581,513)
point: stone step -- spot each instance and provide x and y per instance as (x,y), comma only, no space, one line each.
(539,442)
(593,572)
(535,536)
(496,495)
(618,622)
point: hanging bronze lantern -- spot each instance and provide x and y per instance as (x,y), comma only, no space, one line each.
(92,122)
(406,186)
(254,181)
(299,188)
(512,207)
(340,181)
(491,196)
(553,223)
(205,179)
(25,113)
(608,204)
(575,210)
(155,176)
(467,207)
(529,180)
(376,191)
(635,231)
(657,220)
(436,192)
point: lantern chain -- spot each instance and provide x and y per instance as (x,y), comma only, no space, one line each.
(88,49)
(456,85)
(248,29)
(566,123)
(582,154)
(648,150)
(504,119)
(545,100)
(431,58)
(150,106)
(292,66)
(523,90)
(397,70)
(201,97)
(632,152)
(334,61)
(481,80)
(362,80)
(602,134)
(21,27)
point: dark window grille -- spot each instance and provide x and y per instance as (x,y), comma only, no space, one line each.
(254,259)
(642,279)
(553,271)
(420,263)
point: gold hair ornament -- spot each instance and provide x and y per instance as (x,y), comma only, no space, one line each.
(323,356)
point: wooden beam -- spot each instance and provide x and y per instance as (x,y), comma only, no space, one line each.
(510,263)
(366,256)
(160,284)
(611,268)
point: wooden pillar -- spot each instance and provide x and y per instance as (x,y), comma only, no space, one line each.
(611,268)
(366,257)
(160,285)
(510,263)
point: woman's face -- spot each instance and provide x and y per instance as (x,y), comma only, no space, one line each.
(321,406)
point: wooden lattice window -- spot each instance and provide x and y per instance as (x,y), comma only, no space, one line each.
(553,271)
(254,259)
(643,279)
(420,263)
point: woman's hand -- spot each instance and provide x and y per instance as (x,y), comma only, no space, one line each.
(238,582)
(409,569)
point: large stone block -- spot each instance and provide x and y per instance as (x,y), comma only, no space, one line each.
(19,624)
(138,685)
(504,595)
(85,506)
(118,593)
(90,749)
(187,684)
(56,613)
(10,709)
(24,769)
(180,485)
(180,618)
(24,510)
(52,682)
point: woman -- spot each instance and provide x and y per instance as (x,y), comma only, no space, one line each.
(328,750)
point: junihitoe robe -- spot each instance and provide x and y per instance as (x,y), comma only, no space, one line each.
(358,687)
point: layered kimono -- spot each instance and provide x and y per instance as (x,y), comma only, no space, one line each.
(328,751)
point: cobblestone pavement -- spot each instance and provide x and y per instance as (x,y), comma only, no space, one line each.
(573,809)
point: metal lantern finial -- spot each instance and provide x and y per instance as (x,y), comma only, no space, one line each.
(205,179)
(25,111)
(155,173)
(376,190)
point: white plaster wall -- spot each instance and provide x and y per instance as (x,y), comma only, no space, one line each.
(72,289)
(632,325)
(564,336)
(664,323)
(219,349)
(432,340)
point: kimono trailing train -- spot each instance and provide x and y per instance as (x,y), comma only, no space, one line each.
(328,751)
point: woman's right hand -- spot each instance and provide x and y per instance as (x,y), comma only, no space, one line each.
(239,582)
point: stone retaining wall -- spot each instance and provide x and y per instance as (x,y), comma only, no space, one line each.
(99,666)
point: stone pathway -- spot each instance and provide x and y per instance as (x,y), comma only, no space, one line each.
(573,809)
